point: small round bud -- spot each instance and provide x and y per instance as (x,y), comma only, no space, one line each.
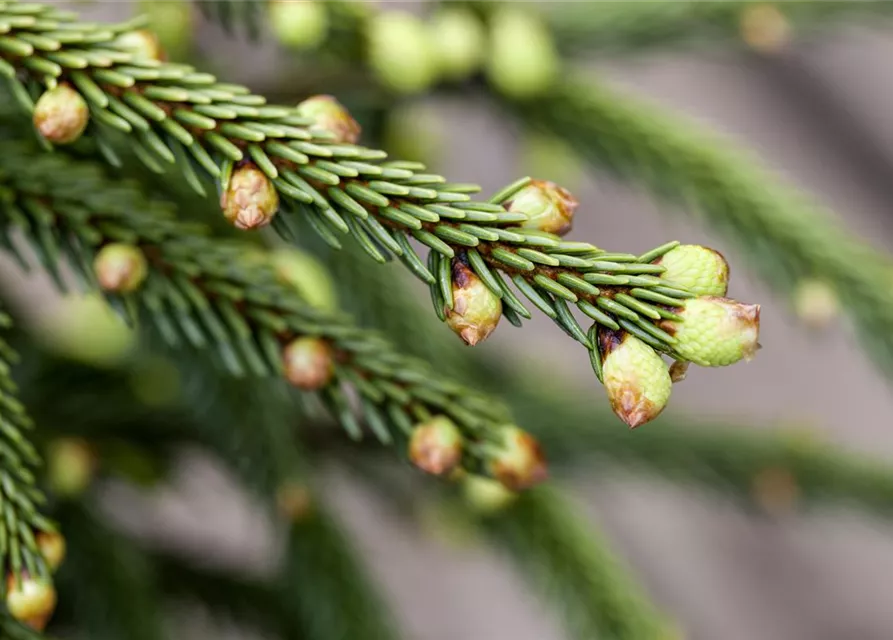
(142,43)
(523,61)
(71,465)
(517,461)
(400,52)
(549,208)
(764,28)
(61,115)
(485,495)
(52,548)
(476,310)
(307,276)
(250,200)
(716,332)
(294,501)
(31,602)
(816,303)
(120,268)
(636,378)
(299,24)
(329,114)
(701,270)
(435,446)
(308,363)
(459,42)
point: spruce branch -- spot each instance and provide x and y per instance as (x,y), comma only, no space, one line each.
(22,521)
(275,164)
(228,299)
(787,238)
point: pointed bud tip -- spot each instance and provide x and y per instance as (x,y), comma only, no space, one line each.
(250,200)
(549,207)
(476,310)
(636,379)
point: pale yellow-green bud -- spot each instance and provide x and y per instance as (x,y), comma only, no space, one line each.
(329,114)
(52,547)
(400,52)
(516,460)
(32,601)
(549,207)
(61,114)
(308,363)
(142,43)
(299,24)
(435,446)
(716,332)
(459,42)
(701,270)
(71,466)
(120,268)
(636,378)
(307,276)
(523,61)
(476,310)
(816,303)
(764,28)
(250,200)
(485,495)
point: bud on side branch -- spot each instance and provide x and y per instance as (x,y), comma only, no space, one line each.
(52,547)
(548,207)
(716,332)
(308,363)
(32,601)
(636,378)
(250,200)
(61,115)
(436,446)
(476,310)
(701,270)
(142,43)
(329,114)
(517,460)
(120,268)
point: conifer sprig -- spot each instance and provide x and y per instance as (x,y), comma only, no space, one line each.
(206,294)
(176,116)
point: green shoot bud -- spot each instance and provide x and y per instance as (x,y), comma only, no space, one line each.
(308,363)
(701,270)
(523,61)
(61,115)
(636,378)
(71,466)
(400,52)
(435,446)
(52,547)
(250,200)
(476,310)
(716,332)
(485,495)
(329,114)
(517,460)
(31,601)
(120,268)
(142,43)
(307,276)
(299,24)
(549,208)
(459,42)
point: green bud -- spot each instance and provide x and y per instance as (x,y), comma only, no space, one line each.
(308,363)
(436,446)
(329,114)
(549,208)
(476,310)
(523,61)
(516,459)
(716,332)
(31,601)
(485,495)
(636,378)
(816,303)
(51,545)
(250,200)
(701,270)
(120,268)
(459,42)
(299,24)
(71,466)
(307,276)
(61,115)
(142,43)
(400,52)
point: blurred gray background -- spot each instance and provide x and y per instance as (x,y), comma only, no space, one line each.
(821,115)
